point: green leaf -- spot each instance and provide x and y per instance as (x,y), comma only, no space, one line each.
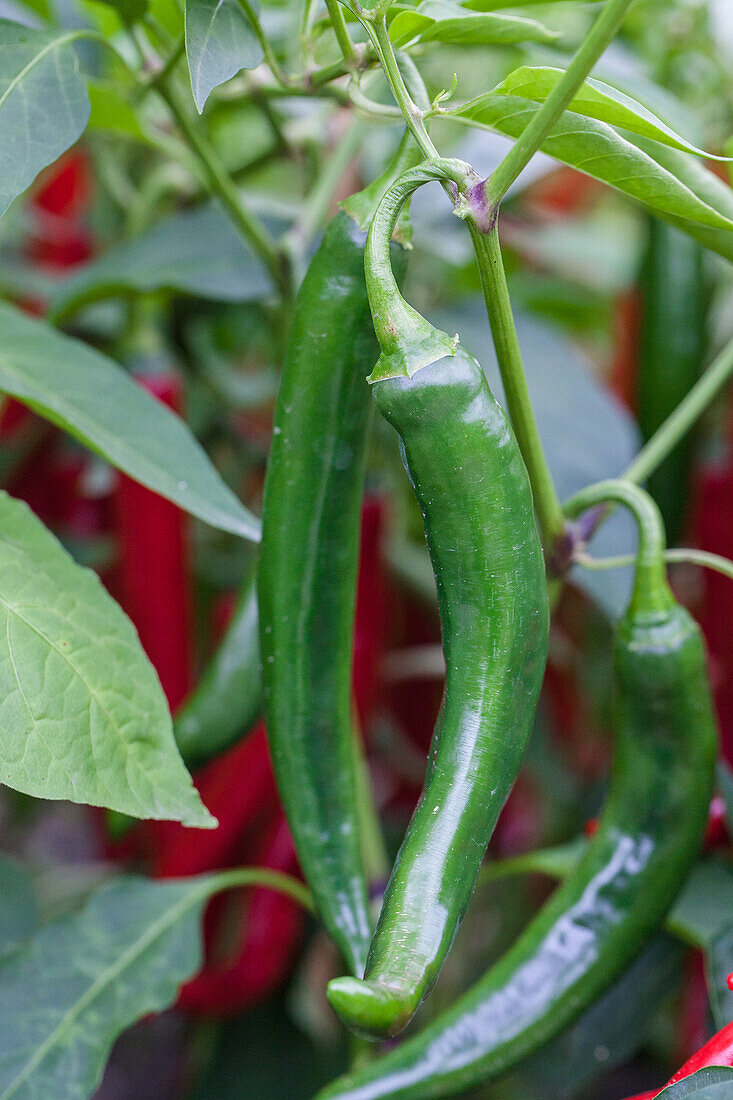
(492,5)
(89,396)
(714,1083)
(112,113)
(598,100)
(82,711)
(443,21)
(220,42)
(18,905)
(44,104)
(595,148)
(195,252)
(129,11)
(82,980)
(718,965)
(703,909)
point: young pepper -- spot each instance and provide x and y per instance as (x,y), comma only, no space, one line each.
(470,481)
(650,831)
(307,578)
(718,1051)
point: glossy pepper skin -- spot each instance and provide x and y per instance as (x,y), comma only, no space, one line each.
(674,306)
(307,577)
(718,1051)
(228,698)
(472,487)
(596,922)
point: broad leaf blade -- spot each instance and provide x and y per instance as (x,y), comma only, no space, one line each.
(89,396)
(66,997)
(195,252)
(220,42)
(714,1083)
(443,21)
(82,711)
(598,100)
(18,905)
(596,149)
(44,105)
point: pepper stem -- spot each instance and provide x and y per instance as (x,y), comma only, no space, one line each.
(408,341)
(651,590)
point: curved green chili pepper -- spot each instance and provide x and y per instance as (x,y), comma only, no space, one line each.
(307,575)
(649,833)
(473,489)
(671,351)
(227,699)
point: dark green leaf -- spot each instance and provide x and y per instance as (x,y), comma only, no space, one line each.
(715,1083)
(719,965)
(443,21)
(89,396)
(195,252)
(129,11)
(598,100)
(703,909)
(220,42)
(18,905)
(82,711)
(67,995)
(595,148)
(44,104)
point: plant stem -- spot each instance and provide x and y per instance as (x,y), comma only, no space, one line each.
(684,417)
(261,876)
(272,62)
(519,405)
(600,35)
(222,185)
(679,555)
(413,116)
(336,15)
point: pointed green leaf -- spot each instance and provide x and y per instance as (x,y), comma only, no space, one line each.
(89,396)
(220,42)
(598,150)
(443,21)
(68,994)
(595,99)
(718,966)
(18,905)
(44,104)
(194,252)
(82,711)
(714,1083)
(493,5)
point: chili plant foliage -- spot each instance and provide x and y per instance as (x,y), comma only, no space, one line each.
(412,574)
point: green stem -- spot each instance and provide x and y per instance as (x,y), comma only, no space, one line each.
(412,114)
(529,141)
(651,590)
(519,404)
(679,555)
(222,185)
(336,15)
(272,62)
(260,876)
(684,417)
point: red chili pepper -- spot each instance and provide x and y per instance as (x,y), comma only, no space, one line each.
(153,573)
(626,334)
(718,1051)
(60,237)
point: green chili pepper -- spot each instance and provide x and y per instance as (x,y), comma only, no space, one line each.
(227,699)
(649,833)
(473,489)
(307,575)
(672,347)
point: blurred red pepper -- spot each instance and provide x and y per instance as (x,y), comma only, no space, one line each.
(153,570)
(718,1051)
(60,237)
